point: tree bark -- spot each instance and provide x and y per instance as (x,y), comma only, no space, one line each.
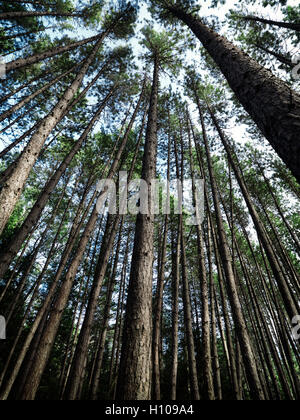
(84,337)
(135,381)
(18,15)
(271,103)
(175,285)
(287,25)
(100,352)
(189,323)
(25,62)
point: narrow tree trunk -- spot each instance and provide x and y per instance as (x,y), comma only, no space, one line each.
(227,341)
(18,15)
(280,211)
(189,323)
(61,301)
(279,57)
(100,352)
(23,34)
(25,62)
(69,108)
(288,25)
(175,288)
(43,310)
(84,337)
(25,85)
(135,381)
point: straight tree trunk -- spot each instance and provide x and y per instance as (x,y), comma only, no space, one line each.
(37,284)
(23,34)
(287,25)
(84,337)
(82,347)
(189,323)
(175,288)
(136,359)
(273,106)
(227,341)
(280,211)
(187,306)
(75,102)
(18,15)
(25,62)
(95,382)
(45,307)
(24,85)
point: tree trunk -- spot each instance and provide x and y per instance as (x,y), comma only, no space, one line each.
(26,346)
(280,57)
(189,323)
(84,337)
(227,341)
(100,352)
(135,381)
(288,25)
(23,34)
(24,85)
(271,103)
(25,62)
(18,15)
(61,301)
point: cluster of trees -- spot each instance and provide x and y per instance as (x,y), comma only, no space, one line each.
(103,306)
